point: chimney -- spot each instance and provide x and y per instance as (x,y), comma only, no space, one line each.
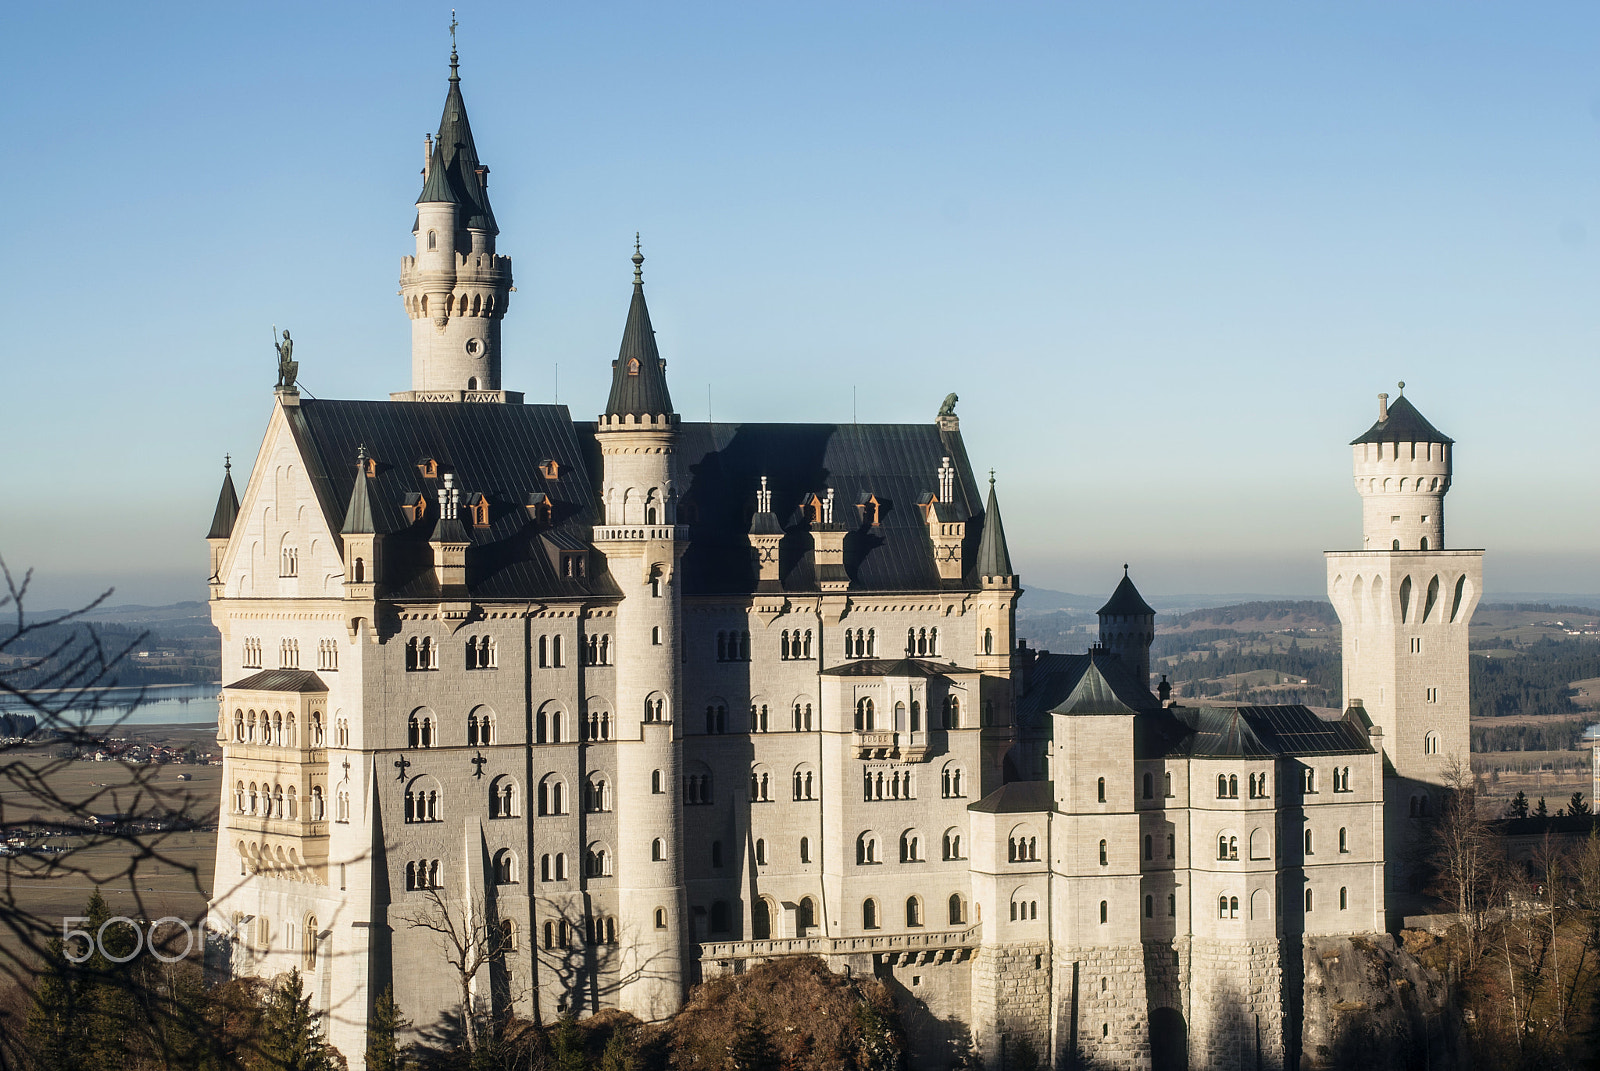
(427,155)
(1383,408)
(1164,691)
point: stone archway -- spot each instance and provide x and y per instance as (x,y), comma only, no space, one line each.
(1169,1040)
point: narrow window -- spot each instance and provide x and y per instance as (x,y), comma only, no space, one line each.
(1104,911)
(1102,790)
(1149,786)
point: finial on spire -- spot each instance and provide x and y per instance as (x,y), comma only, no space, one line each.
(454,60)
(361,454)
(227,462)
(638,262)
(1124,568)
(1402,386)
(991,477)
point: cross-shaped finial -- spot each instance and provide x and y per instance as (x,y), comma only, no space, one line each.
(402,764)
(635,241)
(478,760)
(453,29)
(361,454)
(347,768)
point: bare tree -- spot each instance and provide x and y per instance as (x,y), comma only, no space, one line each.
(473,942)
(1468,859)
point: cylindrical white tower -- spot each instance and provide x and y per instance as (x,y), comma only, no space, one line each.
(643,547)
(1402,471)
(455,288)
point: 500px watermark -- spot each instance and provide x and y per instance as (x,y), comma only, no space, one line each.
(90,943)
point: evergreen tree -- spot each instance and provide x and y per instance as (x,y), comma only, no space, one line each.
(1024,1057)
(291,1038)
(566,1047)
(752,1048)
(56,1037)
(620,1054)
(383,1029)
(1518,807)
(1578,805)
(1541,811)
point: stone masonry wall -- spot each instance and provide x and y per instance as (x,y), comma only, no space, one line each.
(1236,1004)
(1112,1010)
(1011,998)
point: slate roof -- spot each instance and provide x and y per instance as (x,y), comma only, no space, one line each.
(896,463)
(460,157)
(358,514)
(895,667)
(1096,683)
(436,186)
(227,511)
(1126,601)
(280,680)
(1403,425)
(494,450)
(1266,732)
(1018,797)
(993,557)
(638,390)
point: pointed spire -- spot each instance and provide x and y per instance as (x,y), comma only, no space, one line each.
(358,515)
(1126,600)
(993,557)
(638,375)
(227,504)
(436,184)
(467,178)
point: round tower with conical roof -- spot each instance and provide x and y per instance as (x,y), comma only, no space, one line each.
(1128,627)
(1402,471)
(455,287)
(643,547)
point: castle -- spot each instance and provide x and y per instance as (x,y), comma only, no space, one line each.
(600,708)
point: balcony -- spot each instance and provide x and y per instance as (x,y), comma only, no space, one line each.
(933,945)
(612,533)
(910,747)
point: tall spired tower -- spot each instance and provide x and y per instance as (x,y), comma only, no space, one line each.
(1404,603)
(455,287)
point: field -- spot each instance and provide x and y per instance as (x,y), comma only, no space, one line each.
(54,873)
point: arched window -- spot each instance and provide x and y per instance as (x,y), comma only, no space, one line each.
(1101,789)
(1104,912)
(1149,846)
(1233,786)
(1149,786)
(1308,901)
(869,914)
(988,641)
(505,867)
(910,847)
(1308,842)
(503,800)
(658,850)
(1172,905)
(805,849)
(1103,859)
(661,918)
(1167,777)
(864,716)
(913,911)
(316,803)
(1149,906)
(866,849)
(1344,840)
(1344,893)
(958,910)
(1222,786)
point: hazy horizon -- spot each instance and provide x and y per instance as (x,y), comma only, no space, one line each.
(1166,255)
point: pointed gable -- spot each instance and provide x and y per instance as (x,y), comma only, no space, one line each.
(1402,425)
(994,559)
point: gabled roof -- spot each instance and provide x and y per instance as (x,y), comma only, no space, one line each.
(227,511)
(492,449)
(1403,425)
(993,557)
(724,463)
(1018,797)
(280,680)
(638,375)
(1126,601)
(895,667)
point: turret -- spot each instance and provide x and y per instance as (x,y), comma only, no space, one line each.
(222,522)
(1402,471)
(766,533)
(1128,627)
(363,547)
(643,546)
(455,288)
(997,606)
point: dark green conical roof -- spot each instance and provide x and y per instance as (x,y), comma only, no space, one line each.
(358,515)
(1126,601)
(227,512)
(993,557)
(638,375)
(459,173)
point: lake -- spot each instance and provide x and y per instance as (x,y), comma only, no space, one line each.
(164,704)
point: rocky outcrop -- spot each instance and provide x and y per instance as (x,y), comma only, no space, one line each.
(1369,1003)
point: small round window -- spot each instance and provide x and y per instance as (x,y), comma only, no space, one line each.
(474,347)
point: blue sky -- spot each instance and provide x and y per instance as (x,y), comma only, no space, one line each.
(1166,253)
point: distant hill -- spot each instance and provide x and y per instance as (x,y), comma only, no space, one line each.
(1264,616)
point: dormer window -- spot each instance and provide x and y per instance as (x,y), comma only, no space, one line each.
(574,565)
(633,366)
(429,468)
(413,506)
(538,505)
(550,468)
(869,507)
(372,466)
(478,508)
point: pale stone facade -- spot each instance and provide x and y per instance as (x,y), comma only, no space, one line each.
(646,700)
